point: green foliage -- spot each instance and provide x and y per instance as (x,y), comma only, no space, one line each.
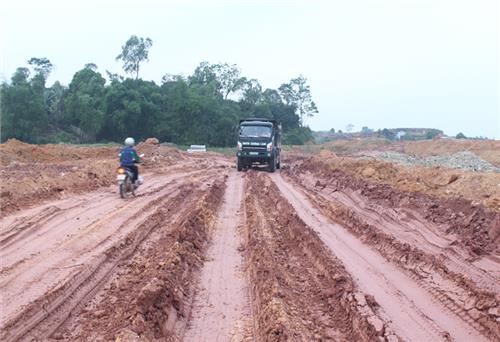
(134,52)
(23,108)
(298,94)
(203,108)
(387,134)
(432,133)
(84,103)
(460,136)
(42,67)
(298,136)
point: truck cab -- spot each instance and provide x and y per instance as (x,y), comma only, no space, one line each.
(259,142)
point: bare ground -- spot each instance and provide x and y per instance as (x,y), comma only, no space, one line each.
(205,253)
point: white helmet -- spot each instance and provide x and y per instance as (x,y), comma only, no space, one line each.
(130,141)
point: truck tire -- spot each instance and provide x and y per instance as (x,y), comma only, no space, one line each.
(278,164)
(239,165)
(272,164)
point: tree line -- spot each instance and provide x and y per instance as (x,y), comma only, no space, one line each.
(201,108)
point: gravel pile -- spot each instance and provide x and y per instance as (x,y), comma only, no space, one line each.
(461,160)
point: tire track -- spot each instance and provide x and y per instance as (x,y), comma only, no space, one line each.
(46,314)
(221,310)
(50,270)
(414,314)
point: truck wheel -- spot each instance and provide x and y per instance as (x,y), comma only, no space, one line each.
(272,164)
(239,165)
(278,164)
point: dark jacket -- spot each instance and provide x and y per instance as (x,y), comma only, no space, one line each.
(128,156)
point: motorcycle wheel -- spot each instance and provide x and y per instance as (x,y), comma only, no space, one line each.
(123,193)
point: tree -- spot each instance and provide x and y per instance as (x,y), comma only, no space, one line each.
(366,130)
(23,110)
(85,104)
(42,67)
(387,134)
(349,128)
(460,136)
(134,52)
(169,78)
(54,100)
(230,79)
(223,79)
(252,92)
(298,94)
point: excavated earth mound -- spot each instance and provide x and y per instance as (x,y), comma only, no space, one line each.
(34,173)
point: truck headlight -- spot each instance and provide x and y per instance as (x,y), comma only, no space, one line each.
(239,146)
(269,147)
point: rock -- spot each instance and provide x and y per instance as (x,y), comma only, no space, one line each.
(57,336)
(127,335)
(99,313)
(465,160)
(368,172)
(377,324)
(139,324)
(474,313)
(392,338)
(494,311)
(152,141)
(150,293)
(360,298)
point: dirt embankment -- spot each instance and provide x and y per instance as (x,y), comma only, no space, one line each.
(486,149)
(32,174)
(435,239)
(299,290)
(478,187)
(475,225)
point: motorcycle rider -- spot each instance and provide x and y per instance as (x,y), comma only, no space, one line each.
(129,157)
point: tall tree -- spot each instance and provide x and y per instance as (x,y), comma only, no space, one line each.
(54,100)
(229,77)
(42,66)
(23,108)
(85,103)
(297,93)
(224,78)
(134,52)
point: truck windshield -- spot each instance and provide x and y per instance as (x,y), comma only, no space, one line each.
(256,131)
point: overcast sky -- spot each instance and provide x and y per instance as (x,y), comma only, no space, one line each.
(375,63)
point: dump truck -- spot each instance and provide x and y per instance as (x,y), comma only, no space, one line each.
(259,142)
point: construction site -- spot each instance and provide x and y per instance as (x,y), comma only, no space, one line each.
(348,241)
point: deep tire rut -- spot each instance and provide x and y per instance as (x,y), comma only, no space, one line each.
(414,313)
(221,309)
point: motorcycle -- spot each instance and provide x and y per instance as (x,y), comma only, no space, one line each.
(124,178)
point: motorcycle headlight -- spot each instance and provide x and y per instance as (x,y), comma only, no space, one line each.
(121,171)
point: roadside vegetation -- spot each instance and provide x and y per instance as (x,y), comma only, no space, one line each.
(202,108)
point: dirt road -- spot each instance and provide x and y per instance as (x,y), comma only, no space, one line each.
(221,310)
(206,253)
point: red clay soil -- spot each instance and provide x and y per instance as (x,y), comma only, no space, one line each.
(410,307)
(32,174)
(148,299)
(436,262)
(475,226)
(221,309)
(300,291)
(62,257)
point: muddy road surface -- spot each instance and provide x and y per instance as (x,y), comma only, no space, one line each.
(206,253)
